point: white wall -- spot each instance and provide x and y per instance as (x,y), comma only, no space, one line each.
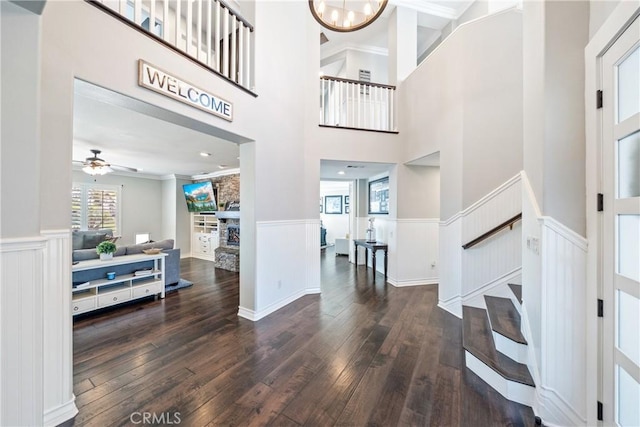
(338,226)
(142,204)
(471,103)
(176,220)
(376,63)
(599,11)
(19,213)
(554,149)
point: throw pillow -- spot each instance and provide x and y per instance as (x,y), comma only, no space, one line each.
(90,241)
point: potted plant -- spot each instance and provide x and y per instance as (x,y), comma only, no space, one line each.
(220,206)
(106,250)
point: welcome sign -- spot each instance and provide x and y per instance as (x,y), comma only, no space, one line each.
(157,80)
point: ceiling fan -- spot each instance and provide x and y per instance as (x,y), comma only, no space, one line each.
(97,166)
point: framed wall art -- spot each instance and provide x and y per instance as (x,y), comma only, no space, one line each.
(379,196)
(333,204)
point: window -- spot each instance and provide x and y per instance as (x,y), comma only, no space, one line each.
(95,206)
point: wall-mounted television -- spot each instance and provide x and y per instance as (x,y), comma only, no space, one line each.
(200,197)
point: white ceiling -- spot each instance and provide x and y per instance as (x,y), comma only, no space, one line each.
(129,134)
(352,170)
(130,138)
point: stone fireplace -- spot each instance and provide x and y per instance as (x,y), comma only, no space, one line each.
(228,250)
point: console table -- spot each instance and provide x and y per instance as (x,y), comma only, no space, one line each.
(96,291)
(374,247)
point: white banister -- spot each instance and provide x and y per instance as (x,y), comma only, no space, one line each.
(189,25)
(165,18)
(225,42)
(247,50)
(152,16)
(240,53)
(199,31)
(205,30)
(233,50)
(209,46)
(357,105)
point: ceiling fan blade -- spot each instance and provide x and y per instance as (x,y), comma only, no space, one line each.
(123,168)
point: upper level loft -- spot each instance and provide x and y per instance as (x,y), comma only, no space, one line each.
(359,70)
(209,32)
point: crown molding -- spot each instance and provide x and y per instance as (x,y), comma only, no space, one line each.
(216,174)
(427,7)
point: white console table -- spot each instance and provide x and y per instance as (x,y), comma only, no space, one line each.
(102,292)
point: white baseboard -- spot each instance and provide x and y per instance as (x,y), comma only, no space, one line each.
(60,414)
(553,407)
(453,306)
(414,282)
(511,390)
(255,316)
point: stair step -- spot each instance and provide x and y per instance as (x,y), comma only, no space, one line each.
(504,318)
(517,291)
(478,340)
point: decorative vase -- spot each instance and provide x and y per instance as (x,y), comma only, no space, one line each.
(106,257)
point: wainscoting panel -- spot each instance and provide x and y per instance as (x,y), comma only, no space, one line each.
(501,253)
(417,256)
(450,288)
(312,252)
(495,257)
(563,367)
(21,334)
(493,209)
(59,399)
(281,276)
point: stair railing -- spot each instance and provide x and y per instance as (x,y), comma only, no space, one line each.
(508,223)
(209,32)
(353,104)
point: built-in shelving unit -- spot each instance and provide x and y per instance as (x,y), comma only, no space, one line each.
(204,235)
(102,292)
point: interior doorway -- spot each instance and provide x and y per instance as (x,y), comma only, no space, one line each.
(620,229)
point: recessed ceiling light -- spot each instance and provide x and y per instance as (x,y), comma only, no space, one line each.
(340,172)
(203,154)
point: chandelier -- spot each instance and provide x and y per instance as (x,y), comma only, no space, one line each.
(346,15)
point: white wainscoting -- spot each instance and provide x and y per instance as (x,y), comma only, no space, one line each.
(450,287)
(554,312)
(465,274)
(312,251)
(21,331)
(413,247)
(59,400)
(563,347)
(495,208)
(283,249)
(416,259)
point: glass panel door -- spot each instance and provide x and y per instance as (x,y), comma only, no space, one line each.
(621,230)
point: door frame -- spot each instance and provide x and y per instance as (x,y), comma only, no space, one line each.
(619,20)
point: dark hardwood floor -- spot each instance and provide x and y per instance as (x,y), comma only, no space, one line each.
(361,353)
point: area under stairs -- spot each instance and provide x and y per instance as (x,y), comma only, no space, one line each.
(495,348)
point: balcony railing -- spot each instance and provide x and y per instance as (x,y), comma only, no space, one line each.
(208,31)
(359,105)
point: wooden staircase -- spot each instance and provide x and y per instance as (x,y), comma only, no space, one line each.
(495,348)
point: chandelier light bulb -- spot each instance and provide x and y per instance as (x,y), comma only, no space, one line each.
(321,7)
(367,10)
(334,16)
(350,17)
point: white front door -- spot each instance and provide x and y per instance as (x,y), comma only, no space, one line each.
(620,360)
